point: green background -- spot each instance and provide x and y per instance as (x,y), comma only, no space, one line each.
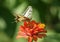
(45,11)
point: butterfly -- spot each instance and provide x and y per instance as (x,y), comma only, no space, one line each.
(27,15)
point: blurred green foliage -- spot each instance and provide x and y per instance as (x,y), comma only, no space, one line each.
(45,11)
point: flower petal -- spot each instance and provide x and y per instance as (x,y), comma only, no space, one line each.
(25,23)
(41,35)
(21,34)
(42,30)
(30,39)
(35,37)
(22,28)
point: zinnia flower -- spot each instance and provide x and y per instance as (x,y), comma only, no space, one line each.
(32,31)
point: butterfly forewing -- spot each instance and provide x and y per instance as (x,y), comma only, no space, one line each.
(28,12)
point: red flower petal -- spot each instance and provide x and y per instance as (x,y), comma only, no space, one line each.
(33,22)
(30,39)
(41,35)
(42,30)
(21,34)
(25,23)
(22,28)
(35,37)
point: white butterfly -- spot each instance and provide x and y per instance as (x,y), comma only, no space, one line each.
(27,15)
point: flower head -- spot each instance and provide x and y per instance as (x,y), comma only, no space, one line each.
(32,30)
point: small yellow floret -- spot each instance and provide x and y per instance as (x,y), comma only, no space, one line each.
(41,25)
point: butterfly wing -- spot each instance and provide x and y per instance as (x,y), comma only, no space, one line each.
(28,12)
(27,15)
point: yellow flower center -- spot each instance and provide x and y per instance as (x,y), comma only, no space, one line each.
(41,25)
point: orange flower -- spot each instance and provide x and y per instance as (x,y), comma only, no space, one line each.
(32,31)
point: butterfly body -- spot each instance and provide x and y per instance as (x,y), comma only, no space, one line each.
(21,18)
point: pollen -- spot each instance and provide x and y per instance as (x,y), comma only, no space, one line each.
(41,25)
